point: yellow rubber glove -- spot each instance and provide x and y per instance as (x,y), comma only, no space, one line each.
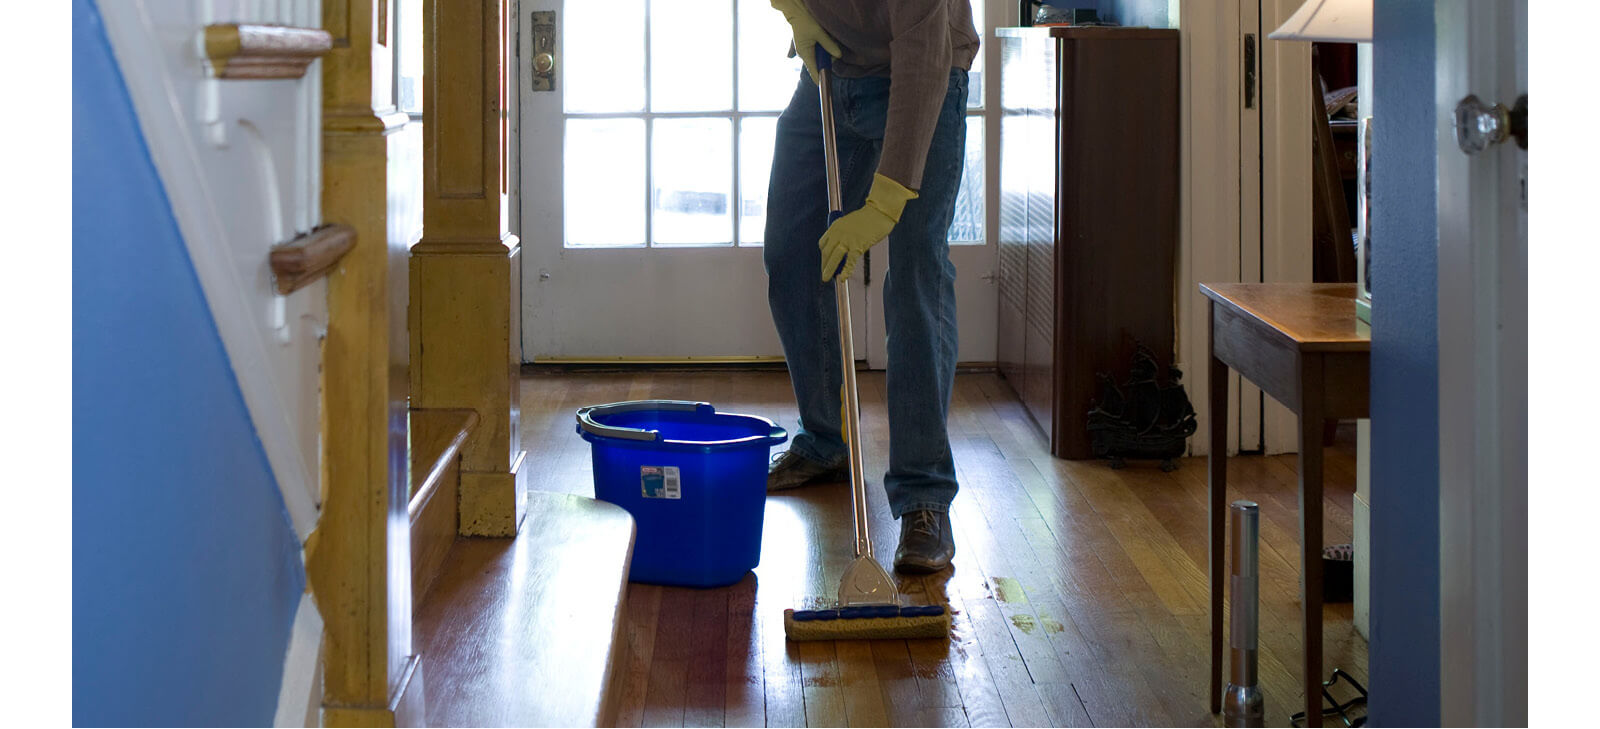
(807,34)
(851,235)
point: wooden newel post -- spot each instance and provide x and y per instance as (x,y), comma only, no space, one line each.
(372,675)
(466,282)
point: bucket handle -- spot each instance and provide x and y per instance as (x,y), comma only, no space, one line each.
(587,422)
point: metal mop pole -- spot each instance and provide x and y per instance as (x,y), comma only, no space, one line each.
(1242,703)
(865,582)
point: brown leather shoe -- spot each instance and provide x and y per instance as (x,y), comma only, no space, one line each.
(790,470)
(926,543)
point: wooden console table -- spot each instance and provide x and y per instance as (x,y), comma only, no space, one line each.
(1301,344)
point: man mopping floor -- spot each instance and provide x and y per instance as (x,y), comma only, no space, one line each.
(899,97)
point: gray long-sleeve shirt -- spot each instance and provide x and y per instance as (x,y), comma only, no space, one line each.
(916,43)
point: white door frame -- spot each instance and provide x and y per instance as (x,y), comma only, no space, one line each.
(561,338)
(977,281)
(1224,192)
(1286,182)
(1481,49)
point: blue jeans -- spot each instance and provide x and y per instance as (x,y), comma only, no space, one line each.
(918,292)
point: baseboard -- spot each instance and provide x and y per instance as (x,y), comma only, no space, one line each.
(406,707)
(1361,544)
(493,504)
(408,703)
(300,693)
(437,437)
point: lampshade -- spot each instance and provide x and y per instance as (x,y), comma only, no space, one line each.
(1335,21)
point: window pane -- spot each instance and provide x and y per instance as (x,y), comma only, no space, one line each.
(967,227)
(410,55)
(757,136)
(692,166)
(602,48)
(691,54)
(604,182)
(767,75)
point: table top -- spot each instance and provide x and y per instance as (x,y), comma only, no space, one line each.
(1315,317)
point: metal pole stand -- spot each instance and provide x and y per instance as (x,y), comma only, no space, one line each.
(1242,703)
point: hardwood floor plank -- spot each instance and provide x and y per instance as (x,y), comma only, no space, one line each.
(668,691)
(980,692)
(1101,591)
(1018,695)
(783,691)
(858,676)
(706,684)
(902,698)
(1078,592)
(819,674)
(941,717)
(931,664)
(644,607)
(744,702)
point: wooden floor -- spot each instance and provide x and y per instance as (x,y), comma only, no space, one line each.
(1079,591)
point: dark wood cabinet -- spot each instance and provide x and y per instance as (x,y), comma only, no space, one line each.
(1089,195)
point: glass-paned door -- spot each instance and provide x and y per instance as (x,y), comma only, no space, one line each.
(644,180)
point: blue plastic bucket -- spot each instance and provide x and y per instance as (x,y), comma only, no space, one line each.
(694,479)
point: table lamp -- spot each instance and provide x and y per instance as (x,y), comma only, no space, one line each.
(1345,21)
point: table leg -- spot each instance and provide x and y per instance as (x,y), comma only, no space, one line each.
(1311,427)
(1216,505)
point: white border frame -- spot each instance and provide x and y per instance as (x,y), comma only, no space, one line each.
(1483,375)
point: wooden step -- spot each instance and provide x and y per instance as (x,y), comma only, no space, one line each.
(436,439)
(526,631)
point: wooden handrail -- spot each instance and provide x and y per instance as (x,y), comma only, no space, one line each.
(237,50)
(311,256)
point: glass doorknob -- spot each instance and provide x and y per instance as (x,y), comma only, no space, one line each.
(1480,126)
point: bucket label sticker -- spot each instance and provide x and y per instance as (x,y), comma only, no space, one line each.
(659,482)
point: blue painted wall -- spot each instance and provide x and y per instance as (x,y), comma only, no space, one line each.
(185,569)
(1404,652)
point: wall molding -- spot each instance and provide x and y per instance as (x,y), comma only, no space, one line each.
(152,69)
(247,51)
(300,694)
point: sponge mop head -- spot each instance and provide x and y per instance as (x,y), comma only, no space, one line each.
(898,627)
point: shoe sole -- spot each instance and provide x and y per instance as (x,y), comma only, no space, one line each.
(836,477)
(919,567)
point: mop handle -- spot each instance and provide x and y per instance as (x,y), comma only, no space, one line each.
(849,400)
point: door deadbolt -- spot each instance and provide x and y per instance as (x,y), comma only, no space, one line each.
(544,50)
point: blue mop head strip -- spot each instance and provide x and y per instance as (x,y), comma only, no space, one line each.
(867,622)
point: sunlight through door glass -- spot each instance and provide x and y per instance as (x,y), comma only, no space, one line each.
(604,182)
(691,55)
(602,48)
(692,167)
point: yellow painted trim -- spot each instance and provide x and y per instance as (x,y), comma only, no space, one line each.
(362,586)
(405,708)
(493,504)
(717,359)
(363,122)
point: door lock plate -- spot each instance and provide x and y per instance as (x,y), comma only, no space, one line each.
(544,50)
